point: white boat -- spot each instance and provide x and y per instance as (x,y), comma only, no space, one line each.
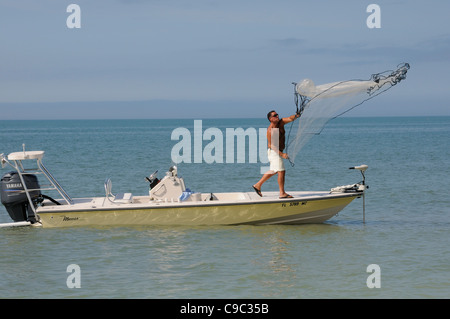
(168,202)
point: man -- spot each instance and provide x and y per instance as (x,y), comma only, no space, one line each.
(276,145)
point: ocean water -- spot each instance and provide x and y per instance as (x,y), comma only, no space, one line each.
(406,229)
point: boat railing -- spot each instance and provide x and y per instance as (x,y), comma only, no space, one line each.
(54,182)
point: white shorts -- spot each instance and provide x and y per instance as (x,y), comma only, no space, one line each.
(276,161)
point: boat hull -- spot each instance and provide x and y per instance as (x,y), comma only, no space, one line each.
(298,210)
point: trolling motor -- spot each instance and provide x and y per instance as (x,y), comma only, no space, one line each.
(362,169)
(356,188)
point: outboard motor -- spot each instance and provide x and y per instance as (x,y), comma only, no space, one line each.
(15,199)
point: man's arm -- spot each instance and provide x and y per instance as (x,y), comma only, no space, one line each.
(291,118)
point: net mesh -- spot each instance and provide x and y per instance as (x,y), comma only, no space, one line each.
(317,105)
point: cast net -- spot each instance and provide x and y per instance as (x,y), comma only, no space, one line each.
(317,105)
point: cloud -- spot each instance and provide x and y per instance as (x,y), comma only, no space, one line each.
(432,49)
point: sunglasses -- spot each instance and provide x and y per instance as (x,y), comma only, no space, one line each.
(275,115)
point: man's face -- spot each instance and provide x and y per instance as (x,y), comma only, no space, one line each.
(274,117)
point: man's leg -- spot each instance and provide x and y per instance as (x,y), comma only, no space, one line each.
(263,179)
(281,179)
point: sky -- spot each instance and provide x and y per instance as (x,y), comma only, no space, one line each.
(213,59)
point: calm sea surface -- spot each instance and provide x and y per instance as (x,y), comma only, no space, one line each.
(406,231)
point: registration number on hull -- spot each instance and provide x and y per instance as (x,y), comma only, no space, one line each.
(293,204)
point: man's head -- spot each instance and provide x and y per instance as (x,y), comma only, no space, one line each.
(272,114)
